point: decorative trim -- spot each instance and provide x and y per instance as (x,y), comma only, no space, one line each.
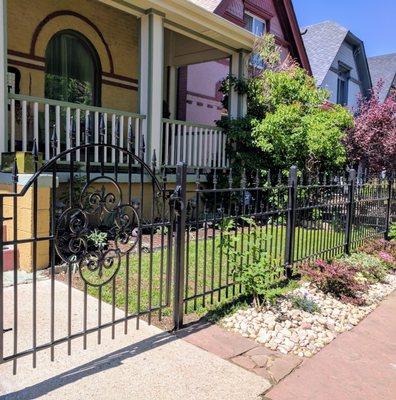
(120,77)
(119,84)
(260,12)
(60,13)
(25,55)
(202,96)
(26,64)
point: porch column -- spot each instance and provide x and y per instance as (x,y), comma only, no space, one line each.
(3,77)
(151,79)
(172,85)
(238,68)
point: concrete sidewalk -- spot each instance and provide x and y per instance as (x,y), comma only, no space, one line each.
(359,364)
(145,364)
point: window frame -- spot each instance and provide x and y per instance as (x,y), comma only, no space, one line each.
(87,44)
(264,21)
(343,77)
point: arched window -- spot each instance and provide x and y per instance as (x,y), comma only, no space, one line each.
(72,69)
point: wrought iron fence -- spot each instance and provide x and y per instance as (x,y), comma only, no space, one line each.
(151,240)
(292,221)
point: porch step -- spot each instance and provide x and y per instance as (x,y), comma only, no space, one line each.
(8,258)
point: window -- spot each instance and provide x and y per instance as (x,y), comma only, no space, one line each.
(258,27)
(72,69)
(343,79)
(254,24)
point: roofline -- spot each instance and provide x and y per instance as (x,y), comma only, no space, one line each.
(295,28)
(192,18)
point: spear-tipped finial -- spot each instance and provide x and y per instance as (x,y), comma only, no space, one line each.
(154,159)
(142,147)
(230,179)
(257,182)
(215,179)
(34,149)
(130,133)
(54,138)
(197,178)
(15,171)
(243,178)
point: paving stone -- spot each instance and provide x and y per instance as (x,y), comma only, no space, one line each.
(244,362)
(217,341)
(260,360)
(264,373)
(259,350)
(282,366)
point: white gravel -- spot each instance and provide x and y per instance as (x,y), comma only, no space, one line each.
(287,329)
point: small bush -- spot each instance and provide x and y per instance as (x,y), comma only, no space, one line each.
(305,304)
(371,268)
(250,265)
(336,278)
(392,232)
(384,249)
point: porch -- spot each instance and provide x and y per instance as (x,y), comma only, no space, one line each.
(101,71)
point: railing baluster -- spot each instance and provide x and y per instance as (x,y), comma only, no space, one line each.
(57,128)
(68,144)
(78,133)
(173,144)
(121,133)
(36,123)
(24,125)
(104,116)
(113,136)
(137,136)
(47,131)
(184,144)
(96,127)
(190,145)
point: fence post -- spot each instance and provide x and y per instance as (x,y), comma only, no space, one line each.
(179,198)
(350,210)
(291,220)
(388,207)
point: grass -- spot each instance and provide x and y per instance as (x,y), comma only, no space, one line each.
(206,270)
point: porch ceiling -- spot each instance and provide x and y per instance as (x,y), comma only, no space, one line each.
(191,20)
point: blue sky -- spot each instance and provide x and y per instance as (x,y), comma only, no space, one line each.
(374,22)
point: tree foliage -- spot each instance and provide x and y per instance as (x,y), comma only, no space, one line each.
(288,120)
(372,141)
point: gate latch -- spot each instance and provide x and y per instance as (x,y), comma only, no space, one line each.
(176,199)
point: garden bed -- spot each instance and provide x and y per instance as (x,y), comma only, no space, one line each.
(323,306)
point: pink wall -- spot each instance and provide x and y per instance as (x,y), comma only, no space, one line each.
(203,99)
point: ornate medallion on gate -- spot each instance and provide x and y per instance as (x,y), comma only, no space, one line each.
(97,233)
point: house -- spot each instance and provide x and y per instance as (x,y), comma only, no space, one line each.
(338,61)
(199,97)
(109,65)
(383,68)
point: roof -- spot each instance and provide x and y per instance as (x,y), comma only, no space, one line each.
(287,18)
(322,42)
(383,68)
(209,5)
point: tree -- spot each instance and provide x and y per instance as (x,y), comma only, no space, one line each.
(288,121)
(372,141)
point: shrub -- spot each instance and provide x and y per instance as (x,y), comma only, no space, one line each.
(370,267)
(392,232)
(336,278)
(385,247)
(250,264)
(305,304)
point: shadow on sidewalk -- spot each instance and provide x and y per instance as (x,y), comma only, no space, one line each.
(109,361)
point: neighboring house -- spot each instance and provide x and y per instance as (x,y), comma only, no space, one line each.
(199,99)
(383,68)
(97,60)
(338,61)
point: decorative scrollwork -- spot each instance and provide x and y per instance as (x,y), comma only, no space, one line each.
(96,234)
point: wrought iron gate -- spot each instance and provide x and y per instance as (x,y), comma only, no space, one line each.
(94,221)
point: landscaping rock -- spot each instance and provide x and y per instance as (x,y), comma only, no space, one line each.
(291,330)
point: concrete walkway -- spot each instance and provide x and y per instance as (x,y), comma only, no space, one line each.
(359,364)
(145,364)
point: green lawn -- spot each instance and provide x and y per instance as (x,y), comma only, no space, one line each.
(207,268)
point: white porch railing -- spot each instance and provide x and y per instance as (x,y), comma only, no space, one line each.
(36,118)
(196,144)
